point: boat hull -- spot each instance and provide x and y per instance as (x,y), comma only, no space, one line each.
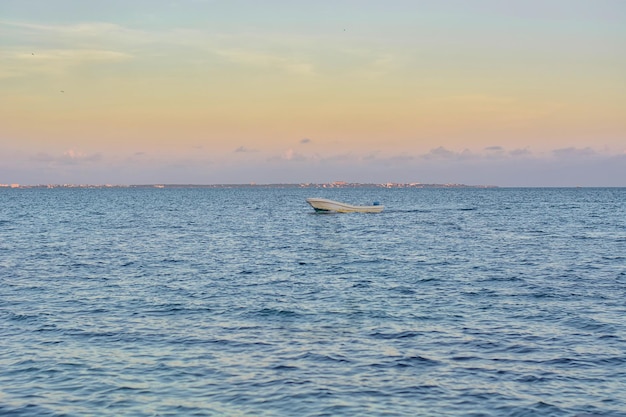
(324,205)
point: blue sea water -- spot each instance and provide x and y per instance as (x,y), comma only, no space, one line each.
(245,302)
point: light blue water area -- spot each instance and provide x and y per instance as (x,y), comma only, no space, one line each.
(245,302)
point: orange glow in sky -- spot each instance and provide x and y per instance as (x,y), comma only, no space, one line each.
(235,91)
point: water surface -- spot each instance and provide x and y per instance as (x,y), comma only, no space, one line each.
(245,302)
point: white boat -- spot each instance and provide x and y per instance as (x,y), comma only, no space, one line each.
(322,204)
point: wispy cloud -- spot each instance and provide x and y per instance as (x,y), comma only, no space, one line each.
(574,152)
(76,157)
(519,167)
(81,33)
(520,152)
(301,55)
(440,153)
(340,158)
(20,63)
(69,157)
(264,60)
(243,149)
(291,155)
(76,55)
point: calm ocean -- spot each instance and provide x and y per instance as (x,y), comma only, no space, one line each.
(244,302)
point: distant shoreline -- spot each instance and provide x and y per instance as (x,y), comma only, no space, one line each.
(337,184)
(280,185)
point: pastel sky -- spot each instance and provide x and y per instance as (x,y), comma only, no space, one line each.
(508,93)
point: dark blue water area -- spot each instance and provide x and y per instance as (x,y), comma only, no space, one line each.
(245,302)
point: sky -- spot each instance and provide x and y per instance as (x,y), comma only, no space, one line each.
(482,92)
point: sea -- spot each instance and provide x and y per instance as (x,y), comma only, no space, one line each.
(243,301)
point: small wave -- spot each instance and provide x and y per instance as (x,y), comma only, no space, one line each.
(591,325)
(404,290)
(569,362)
(318,357)
(52,328)
(518,349)
(542,409)
(464,358)
(608,337)
(94,334)
(596,415)
(285,368)
(400,335)
(167,309)
(532,379)
(417,360)
(617,361)
(585,237)
(29,409)
(77,265)
(235,343)
(21,317)
(274,312)
(172,261)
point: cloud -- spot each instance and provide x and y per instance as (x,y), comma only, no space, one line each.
(38,34)
(276,52)
(305,140)
(574,152)
(290,155)
(264,60)
(42,157)
(402,158)
(343,157)
(439,153)
(372,156)
(17,63)
(501,169)
(69,157)
(520,152)
(243,149)
(494,148)
(73,157)
(77,55)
